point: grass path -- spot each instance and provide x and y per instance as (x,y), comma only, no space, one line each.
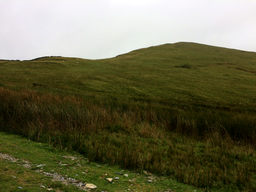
(30,166)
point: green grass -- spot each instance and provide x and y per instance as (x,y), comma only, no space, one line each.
(13,176)
(185,110)
(216,76)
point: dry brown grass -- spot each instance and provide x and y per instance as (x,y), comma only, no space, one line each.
(138,138)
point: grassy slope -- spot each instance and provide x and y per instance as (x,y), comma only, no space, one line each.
(13,175)
(182,73)
(215,86)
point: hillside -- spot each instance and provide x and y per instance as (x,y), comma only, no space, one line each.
(181,73)
(184,111)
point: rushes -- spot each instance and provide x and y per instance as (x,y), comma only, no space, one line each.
(219,152)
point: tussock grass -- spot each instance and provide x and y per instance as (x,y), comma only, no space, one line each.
(217,151)
(185,110)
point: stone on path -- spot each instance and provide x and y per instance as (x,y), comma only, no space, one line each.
(109,180)
(90,186)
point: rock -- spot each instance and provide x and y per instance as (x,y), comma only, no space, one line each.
(110,180)
(62,164)
(41,165)
(126,175)
(42,186)
(90,186)
(27,166)
(80,184)
(150,181)
(8,157)
(20,187)
(116,178)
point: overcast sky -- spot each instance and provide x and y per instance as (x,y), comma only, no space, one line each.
(105,28)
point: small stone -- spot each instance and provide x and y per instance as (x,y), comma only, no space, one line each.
(110,180)
(20,187)
(126,175)
(41,165)
(80,184)
(42,186)
(28,166)
(150,181)
(63,164)
(116,178)
(90,186)
(70,157)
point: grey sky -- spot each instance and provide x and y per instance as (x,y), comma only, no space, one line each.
(106,28)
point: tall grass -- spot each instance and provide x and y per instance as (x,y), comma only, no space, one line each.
(203,147)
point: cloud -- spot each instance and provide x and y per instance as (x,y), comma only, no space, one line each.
(105,28)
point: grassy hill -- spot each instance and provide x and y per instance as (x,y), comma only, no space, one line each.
(172,73)
(184,110)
